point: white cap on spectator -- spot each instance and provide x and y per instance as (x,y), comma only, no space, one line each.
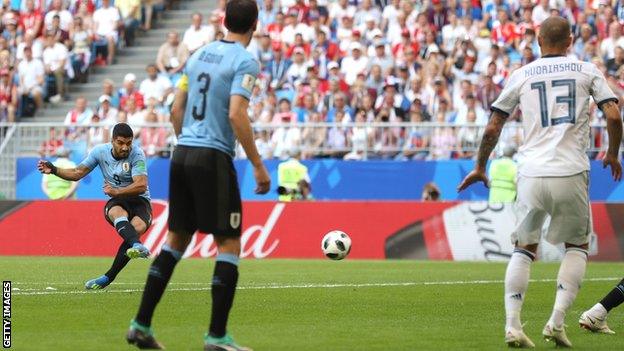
(369,18)
(355,46)
(332,65)
(104,98)
(130,77)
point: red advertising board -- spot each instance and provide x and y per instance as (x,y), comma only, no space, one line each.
(410,230)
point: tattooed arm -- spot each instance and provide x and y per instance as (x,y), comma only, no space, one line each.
(488,143)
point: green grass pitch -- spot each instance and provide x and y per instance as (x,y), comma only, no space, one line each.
(298,305)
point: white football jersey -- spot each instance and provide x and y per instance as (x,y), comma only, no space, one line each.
(553,93)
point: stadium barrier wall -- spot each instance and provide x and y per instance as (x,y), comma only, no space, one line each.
(331,180)
(466,231)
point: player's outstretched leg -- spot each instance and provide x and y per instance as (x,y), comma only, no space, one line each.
(569,281)
(595,319)
(120,261)
(224,282)
(160,272)
(516,283)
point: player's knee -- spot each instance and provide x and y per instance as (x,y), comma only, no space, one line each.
(529,247)
(178,241)
(139,225)
(228,245)
(583,247)
(116,212)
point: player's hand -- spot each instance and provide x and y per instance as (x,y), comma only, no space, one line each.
(109,190)
(616,166)
(263,180)
(45,167)
(475,176)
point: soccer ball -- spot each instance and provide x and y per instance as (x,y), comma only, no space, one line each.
(336,245)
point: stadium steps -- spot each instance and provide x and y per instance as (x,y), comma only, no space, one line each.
(129,59)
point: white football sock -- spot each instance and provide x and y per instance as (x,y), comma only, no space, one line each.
(569,280)
(516,283)
(598,311)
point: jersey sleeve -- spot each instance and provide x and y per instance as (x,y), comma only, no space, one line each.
(509,97)
(92,159)
(245,78)
(139,164)
(600,90)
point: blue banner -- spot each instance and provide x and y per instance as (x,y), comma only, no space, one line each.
(331,180)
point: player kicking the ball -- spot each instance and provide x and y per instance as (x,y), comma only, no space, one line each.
(125,181)
(553,93)
(203,187)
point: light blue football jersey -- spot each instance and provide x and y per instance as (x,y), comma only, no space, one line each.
(117,172)
(214,73)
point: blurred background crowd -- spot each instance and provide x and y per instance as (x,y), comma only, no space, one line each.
(354,79)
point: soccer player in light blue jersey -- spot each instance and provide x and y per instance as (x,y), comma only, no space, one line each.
(125,182)
(208,114)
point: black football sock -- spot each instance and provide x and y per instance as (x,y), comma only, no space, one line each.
(223,288)
(614,298)
(120,261)
(157,279)
(126,231)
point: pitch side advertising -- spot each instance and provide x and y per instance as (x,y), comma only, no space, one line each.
(463,231)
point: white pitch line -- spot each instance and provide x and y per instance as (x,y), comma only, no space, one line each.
(306,286)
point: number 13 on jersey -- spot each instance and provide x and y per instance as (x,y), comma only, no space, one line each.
(569,99)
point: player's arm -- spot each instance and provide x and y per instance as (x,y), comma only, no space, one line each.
(608,103)
(179,104)
(72,174)
(614,129)
(488,143)
(138,187)
(242,85)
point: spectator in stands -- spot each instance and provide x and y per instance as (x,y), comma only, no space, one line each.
(108,88)
(608,45)
(172,56)
(263,144)
(96,134)
(313,137)
(31,19)
(8,96)
(155,86)
(468,137)
(57,9)
(354,64)
(32,77)
(81,49)
(35,45)
(340,105)
(277,69)
(129,91)
(471,106)
(106,21)
(130,11)
(443,141)
(107,113)
(55,59)
(197,34)
(298,69)
(360,138)
(54,141)
(153,139)
(61,35)
(80,115)
(136,115)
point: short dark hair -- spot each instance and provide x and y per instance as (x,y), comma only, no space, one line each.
(555,31)
(122,130)
(241,15)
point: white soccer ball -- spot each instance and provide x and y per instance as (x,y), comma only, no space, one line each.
(336,245)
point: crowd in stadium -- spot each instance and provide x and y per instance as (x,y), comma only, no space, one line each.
(441,61)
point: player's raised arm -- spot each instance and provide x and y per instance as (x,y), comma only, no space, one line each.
(72,174)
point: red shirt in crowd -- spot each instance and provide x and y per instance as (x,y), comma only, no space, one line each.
(29,20)
(138,99)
